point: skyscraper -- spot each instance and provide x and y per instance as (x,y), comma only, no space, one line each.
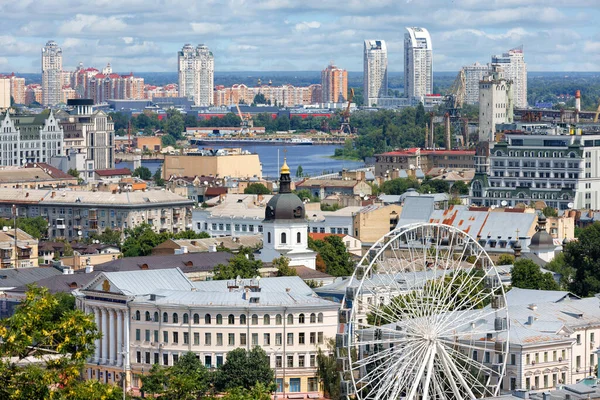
(495,103)
(418,63)
(375,77)
(196,74)
(334,84)
(515,69)
(51,74)
(474,73)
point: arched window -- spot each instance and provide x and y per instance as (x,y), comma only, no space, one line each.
(267,319)
(254,319)
(219,319)
(320,318)
(207,319)
(283,238)
(137,315)
(175,318)
(243,319)
(147,316)
(165,317)
(268,237)
(298,237)
(313,318)
(231,319)
(156,316)
(278,319)
(196,319)
(290,319)
(301,318)
(186,319)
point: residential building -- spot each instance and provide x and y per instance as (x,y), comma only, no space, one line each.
(51,74)
(515,69)
(425,160)
(111,175)
(418,63)
(196,68)
(375,71)
(17,252)
(374,221)
(322,188)
(473,75)
(148,143)
(561,170)
(71,212)
(208,245)
(17,88)
(221,164)
(33,93)
(495,103)
(334,84)
(35,176)
(30,138)
(4,92)
(160,315)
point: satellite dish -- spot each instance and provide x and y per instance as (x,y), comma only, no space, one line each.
(362,194)
(570,205)
(79,233)
(504,203)
(493,207)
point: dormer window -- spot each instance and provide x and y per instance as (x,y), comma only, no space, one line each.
(298,212)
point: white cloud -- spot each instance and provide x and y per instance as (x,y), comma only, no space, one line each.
(304,26)
(84,24)
(204,28)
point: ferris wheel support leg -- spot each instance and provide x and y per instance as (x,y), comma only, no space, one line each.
(450,366)
(419,375)
(429,372)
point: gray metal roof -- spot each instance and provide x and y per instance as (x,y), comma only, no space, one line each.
(189,262)
(15,277)
(145,282)
(416,209)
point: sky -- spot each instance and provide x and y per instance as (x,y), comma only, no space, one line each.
(291,35)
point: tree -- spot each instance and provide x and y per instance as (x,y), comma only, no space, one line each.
(156,381)
(68,250)
(305,194)
(327,372)
(34,226)
(73,172)
(43,324)
(566,272)
(108,236)
(257,392)
(242,264)
(257,188)
(283,267)
(259,99)
(332,252)
(175,126)
(158,180)
(459,188)
(142,173)
(188,379)
(505,259)
(550,212)
(527,275)
(140,240)
(168,140)
(399,186)
(299,172)
(584,256)
(245,369)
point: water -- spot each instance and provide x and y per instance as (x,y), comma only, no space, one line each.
(315,160)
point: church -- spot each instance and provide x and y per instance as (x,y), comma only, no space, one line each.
(285,228)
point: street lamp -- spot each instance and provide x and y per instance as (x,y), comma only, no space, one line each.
(124,373)
(275,351)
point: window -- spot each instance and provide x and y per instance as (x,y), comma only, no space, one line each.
(513,359)
(320,318)
(278,362)
(165,359)
(207,339)
(313,318)
(207,319)
(175,358)
(290,338)
(592,337)
(156,336)
(268,237)
(578,339)
(231,319)
(313,384)
(196,338)
(175,318)
(138,357)
(156,358)
(313,360)
(313,338)
(290,319)
(186,319)
(254,319)
(231,339)
(301,338)
(475,355)
(243,319)
(255,339)
(578,362)
(290,361)
(242,339)
(137,315)
(219,339)
(267,319)
(147,335)
(166,336)
(320,337)
(283,238)
(147,315)
(155,317)
(301,360)
(278,319)
(278,340)
(301,318)
(196,319)
(175,337)
(219,319)
(186,338)
(208,361)
(267,339)
(298,237)
(138,335)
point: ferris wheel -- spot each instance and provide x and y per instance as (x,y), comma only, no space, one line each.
(424,317)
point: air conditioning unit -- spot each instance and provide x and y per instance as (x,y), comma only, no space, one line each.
(559,359)
(532,362)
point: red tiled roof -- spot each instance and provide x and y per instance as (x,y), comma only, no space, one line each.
(215,191)
(113,172)
(50,170)
(322,236)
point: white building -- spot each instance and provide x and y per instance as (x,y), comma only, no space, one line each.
(418,63)
(5,86)
(515,69)
(473,75)
(196,74)
(495,103)
(30,139)
(375,72)
(51,74)
(155,316)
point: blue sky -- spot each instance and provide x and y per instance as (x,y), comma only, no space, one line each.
(267,35)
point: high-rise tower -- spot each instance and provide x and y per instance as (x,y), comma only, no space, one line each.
(418,63)
(51,74)
(375,76)
(334,84)
(514,67)
(196,74)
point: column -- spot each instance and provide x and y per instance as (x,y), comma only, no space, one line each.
(96,312)
(126,348)
(111,337)
(104,356)
(119,337)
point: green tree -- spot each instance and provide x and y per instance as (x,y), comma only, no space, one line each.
(257,392)
(259,99)
(327,372)
(187,379)
(527,275)
(283,267)
(175,126)
(505,259)
(242,264)
(299,172)
(399,186)
(459,188)
(168,140)
(140,240)
(68,250)
(257,188)
(333,254)
(35,226)
(567,272)
(584,256)
(156,381)
(120,120)
(142,173)
(108,236)
(305,194)
(73,172)
(245,369)
(550,212)
(158,180)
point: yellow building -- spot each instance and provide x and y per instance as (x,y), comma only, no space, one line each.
(232,165)
(371,223)
(19,253)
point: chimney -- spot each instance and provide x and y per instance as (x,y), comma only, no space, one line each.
(89,269)
(447,133)
(67,271)
(212,248)
(53,195)
(530,320)
(184,249)
(546,396)
(578,100)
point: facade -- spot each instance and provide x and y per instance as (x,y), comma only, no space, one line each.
(34,176)
(418,63)
(71,212)
(373,222)
(282,96)
(424,160)
(561,170)
(322,188)
(234,165)
(4,93)
(375,71)
(157,316)
(17,88)
(473,75)
(515,70)
(30,139)
(196,74)
(334,84)
(51,74)
(33,93)
(19,252)
(495,103)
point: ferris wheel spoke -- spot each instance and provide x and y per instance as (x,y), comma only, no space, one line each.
(458,320)
(450,366)
(479,366)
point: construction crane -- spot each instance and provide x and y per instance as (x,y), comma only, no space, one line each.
(597,114)
(245,121)
(345,127)
(454,101)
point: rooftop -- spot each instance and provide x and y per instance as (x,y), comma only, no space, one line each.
(415,151)
(189,262)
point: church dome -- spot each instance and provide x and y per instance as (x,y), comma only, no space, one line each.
(285,206)
(541,239)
